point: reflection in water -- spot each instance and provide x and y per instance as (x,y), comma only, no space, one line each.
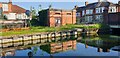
(103,50)
(99,49)
(59,46)
(8,53)
(30,54)
(66,45)
(103,43)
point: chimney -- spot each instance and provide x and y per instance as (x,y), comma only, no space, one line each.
(106,0)
(75,7)
(119,2)
(10,0)
(102,0)
(10,6)
(86,3)
(99,0)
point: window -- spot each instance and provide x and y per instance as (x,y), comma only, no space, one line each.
(112,9)
(99,10)
(19,16)
(88,19)
(83,13)
(77,14)
(68,13)
(99,18)
(11,16)
(5,7)
(57,13)
(89,11)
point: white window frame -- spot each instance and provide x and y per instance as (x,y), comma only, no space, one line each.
(83,12)
(112,9)
(5,7)
(89,11)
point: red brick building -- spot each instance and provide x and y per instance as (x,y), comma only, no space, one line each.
(57,17)
(119,6)
(93,12)
(112,18)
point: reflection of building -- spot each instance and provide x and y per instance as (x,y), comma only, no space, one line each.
(8,53)
(59,47)
(103,50)
(57,17)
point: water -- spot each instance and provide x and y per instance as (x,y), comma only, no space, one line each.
(102,45)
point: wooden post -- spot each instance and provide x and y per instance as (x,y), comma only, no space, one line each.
(1,43)
(31,38)
(40,38)
(47,37)
(23,40)
(12,41)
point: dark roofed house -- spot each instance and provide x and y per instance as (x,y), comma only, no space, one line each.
(93,12)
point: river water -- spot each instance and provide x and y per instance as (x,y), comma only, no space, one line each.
(102,45)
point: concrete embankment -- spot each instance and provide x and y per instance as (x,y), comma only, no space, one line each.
(39,37)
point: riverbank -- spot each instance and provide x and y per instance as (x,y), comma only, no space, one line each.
(41,29)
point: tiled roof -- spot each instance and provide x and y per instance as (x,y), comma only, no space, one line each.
(80,8)
(17,9)
(95,5)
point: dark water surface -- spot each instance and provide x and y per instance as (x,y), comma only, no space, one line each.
(102,45)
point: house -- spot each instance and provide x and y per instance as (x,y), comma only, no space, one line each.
(12,16)
(112,18)
(12,12)
(57,17)
(93,12)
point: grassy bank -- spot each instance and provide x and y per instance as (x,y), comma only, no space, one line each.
(39,29)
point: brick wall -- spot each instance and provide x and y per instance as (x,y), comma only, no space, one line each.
(119,8)
(66,17)
(112,18)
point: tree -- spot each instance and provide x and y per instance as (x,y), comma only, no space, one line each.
(5,17)
(40,7)
(33,12)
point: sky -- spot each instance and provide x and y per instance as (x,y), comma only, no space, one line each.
(61,4)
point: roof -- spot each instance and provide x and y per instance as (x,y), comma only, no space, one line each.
(95,5)
(17,9)
(54,9)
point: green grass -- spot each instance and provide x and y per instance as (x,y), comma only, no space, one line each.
(39,29)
